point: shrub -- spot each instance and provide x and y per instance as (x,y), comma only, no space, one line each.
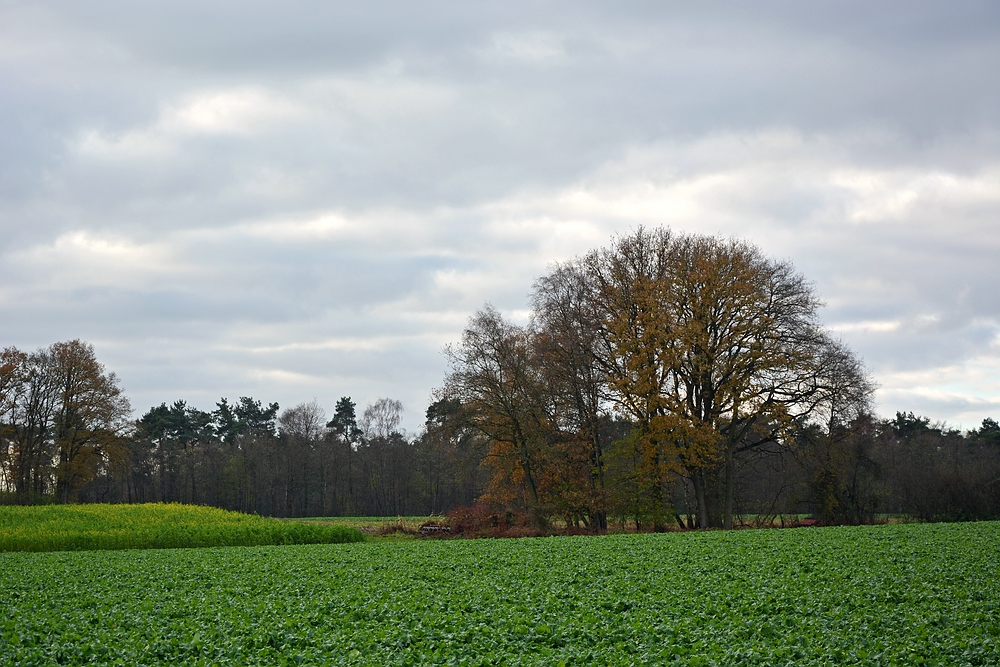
(483,520)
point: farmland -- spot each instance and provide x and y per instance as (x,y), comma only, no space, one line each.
(903,594)
(156,525)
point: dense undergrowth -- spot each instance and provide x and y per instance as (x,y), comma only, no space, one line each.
(151,526)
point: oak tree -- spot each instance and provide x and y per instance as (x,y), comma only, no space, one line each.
(713,349)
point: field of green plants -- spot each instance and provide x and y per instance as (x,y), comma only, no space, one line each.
(80,527)
(886,595)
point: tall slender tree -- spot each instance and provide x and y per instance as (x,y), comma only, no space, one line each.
(92,416)
(494,378)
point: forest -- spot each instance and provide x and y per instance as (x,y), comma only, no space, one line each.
(663,382)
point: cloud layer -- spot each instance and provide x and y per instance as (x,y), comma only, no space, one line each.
(310,201)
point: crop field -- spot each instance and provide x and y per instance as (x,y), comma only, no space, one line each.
(79,527)
(885,595)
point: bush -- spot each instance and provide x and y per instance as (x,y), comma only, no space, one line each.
(482,520)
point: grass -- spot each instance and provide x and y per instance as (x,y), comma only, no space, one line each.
(363,520)
(918,594)
(86,527)
(375,528)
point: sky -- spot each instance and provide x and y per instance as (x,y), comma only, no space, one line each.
(308,200)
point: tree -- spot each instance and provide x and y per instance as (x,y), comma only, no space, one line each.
(628,287)
(344,423)
(12,369)
(13,364)
(175,436)
(247,417)
(988,433)
(386,457)
(565,329)
(35,451)
(249,430)
(907,425)
(713,349)
(709,349)
(835,439)
(344,430)
(301,429)
(381,419)
(452,451)
(92,415)
(28,403)
(62,417)
(303,421)
(492,376)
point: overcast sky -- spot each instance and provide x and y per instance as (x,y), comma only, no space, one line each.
(307,200)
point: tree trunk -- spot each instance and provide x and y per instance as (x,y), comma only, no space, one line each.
(536,509)
(701,498)
(730,482)
(601,517)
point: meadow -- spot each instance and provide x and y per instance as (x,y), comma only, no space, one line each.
(150,526)
(372,525)
(917,594)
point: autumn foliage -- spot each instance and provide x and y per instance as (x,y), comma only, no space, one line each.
(63,417)
(658,361)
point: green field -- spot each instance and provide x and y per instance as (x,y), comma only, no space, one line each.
(150,526)
(364,520)
(886,595)
(375,528)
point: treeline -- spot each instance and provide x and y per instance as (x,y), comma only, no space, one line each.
(66,436)
(249,457)
(905,466)
(256,458)
(663,381)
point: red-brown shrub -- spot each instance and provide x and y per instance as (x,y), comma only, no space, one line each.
(482,520)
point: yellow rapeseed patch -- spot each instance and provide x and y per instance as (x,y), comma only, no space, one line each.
(151,526)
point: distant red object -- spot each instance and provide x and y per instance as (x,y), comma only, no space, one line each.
(808,522)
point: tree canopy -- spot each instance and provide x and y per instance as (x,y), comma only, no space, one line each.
(708,348)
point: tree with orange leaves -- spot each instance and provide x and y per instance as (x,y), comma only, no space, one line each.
(713,349)
(706,347)
(500,390)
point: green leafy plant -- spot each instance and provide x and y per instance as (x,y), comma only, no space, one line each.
(916,594)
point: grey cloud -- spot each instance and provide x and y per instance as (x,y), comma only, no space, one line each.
(309,200)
